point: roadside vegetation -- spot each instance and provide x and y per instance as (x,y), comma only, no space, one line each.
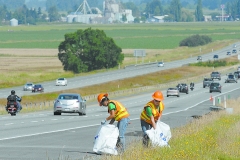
(215,63)
(212,136)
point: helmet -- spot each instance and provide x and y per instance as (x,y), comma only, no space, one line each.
(12,92)
(158,96)
(101,96)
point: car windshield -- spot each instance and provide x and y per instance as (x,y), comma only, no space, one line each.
(37,86)
(230,76)
(29,84)
(207,79)
(215,84)
(172,88)
(61,79)
(68,97)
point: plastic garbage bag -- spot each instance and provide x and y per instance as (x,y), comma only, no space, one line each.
(106,139)
(161,135)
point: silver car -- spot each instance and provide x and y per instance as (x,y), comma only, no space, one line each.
(69,103)
(173,92)
(160,64)
(28,86)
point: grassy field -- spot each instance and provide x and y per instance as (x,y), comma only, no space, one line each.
(213,136)
(127,36)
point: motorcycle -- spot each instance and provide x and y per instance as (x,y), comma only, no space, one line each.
(191,88)
(12,107)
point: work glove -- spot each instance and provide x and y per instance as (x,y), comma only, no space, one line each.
(103,122)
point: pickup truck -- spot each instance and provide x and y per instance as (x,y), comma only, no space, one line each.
(207,82)
(216,75)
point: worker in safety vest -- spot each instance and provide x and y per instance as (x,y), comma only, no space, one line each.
(117,113)
(152,111)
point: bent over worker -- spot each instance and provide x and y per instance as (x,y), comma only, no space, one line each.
(117,113)
(152,111)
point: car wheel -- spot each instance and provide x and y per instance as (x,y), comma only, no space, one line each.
(167,95)
(56,113)
(177,95)
(210,91)
(80,113)
(204,86)
(186,92)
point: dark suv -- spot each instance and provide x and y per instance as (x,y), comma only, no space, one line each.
(182,87)
(215,87)
(38,88)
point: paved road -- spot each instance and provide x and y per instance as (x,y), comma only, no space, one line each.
(41,135)
(98,78)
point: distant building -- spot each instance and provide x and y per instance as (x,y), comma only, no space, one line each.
(156,19)
(14,22)
(207,18)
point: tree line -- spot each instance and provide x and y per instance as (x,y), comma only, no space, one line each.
(173,8)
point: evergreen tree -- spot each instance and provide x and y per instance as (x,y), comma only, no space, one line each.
(199,12)
(175,10)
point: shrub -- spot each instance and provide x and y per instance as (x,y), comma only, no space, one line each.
(195,40)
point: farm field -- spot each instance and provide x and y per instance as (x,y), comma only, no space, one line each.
(127,36)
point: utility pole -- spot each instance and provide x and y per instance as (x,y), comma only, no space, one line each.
(222,6)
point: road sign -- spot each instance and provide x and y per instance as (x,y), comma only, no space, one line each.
(139,53)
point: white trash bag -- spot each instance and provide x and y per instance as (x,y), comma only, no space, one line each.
(106,139)
(161,135)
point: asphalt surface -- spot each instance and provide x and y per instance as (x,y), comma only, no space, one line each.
(40,135)
(83,81)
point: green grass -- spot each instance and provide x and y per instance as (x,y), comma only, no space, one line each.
(131,36)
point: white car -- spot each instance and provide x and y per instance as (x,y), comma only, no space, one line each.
(61,82)
(160,64)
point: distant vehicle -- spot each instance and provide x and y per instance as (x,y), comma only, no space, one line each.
(61,82)
(231,78)
(215,87)
(28,86)
(234,51)
(160,64)
(237,74)
(234,46)
(69,103)
(182,87)
(228,53)
(38,88)
(199,58)
(215,75)
(238,68)
(215,56)
(207,82)
(173,92)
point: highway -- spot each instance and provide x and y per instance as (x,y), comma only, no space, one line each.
(83,81)
(41,135)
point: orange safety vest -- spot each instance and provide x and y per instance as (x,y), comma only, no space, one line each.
(156,112)
(120,111)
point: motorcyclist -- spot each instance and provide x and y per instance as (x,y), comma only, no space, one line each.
(192,84)
(14,98)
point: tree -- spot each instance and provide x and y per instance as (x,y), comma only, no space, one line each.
(133,7)
(199,12)
(87,50)
(53,14)
(124,18)
(187,16)
(176,10)
(151,6)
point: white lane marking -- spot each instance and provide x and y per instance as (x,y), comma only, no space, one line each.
(54,119)
(34,121)
(29,135)
(22,122)
(9,124)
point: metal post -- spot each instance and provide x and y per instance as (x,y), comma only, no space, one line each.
(213,101)
(225,103)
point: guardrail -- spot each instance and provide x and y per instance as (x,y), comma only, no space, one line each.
(141,64)
(93,97)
